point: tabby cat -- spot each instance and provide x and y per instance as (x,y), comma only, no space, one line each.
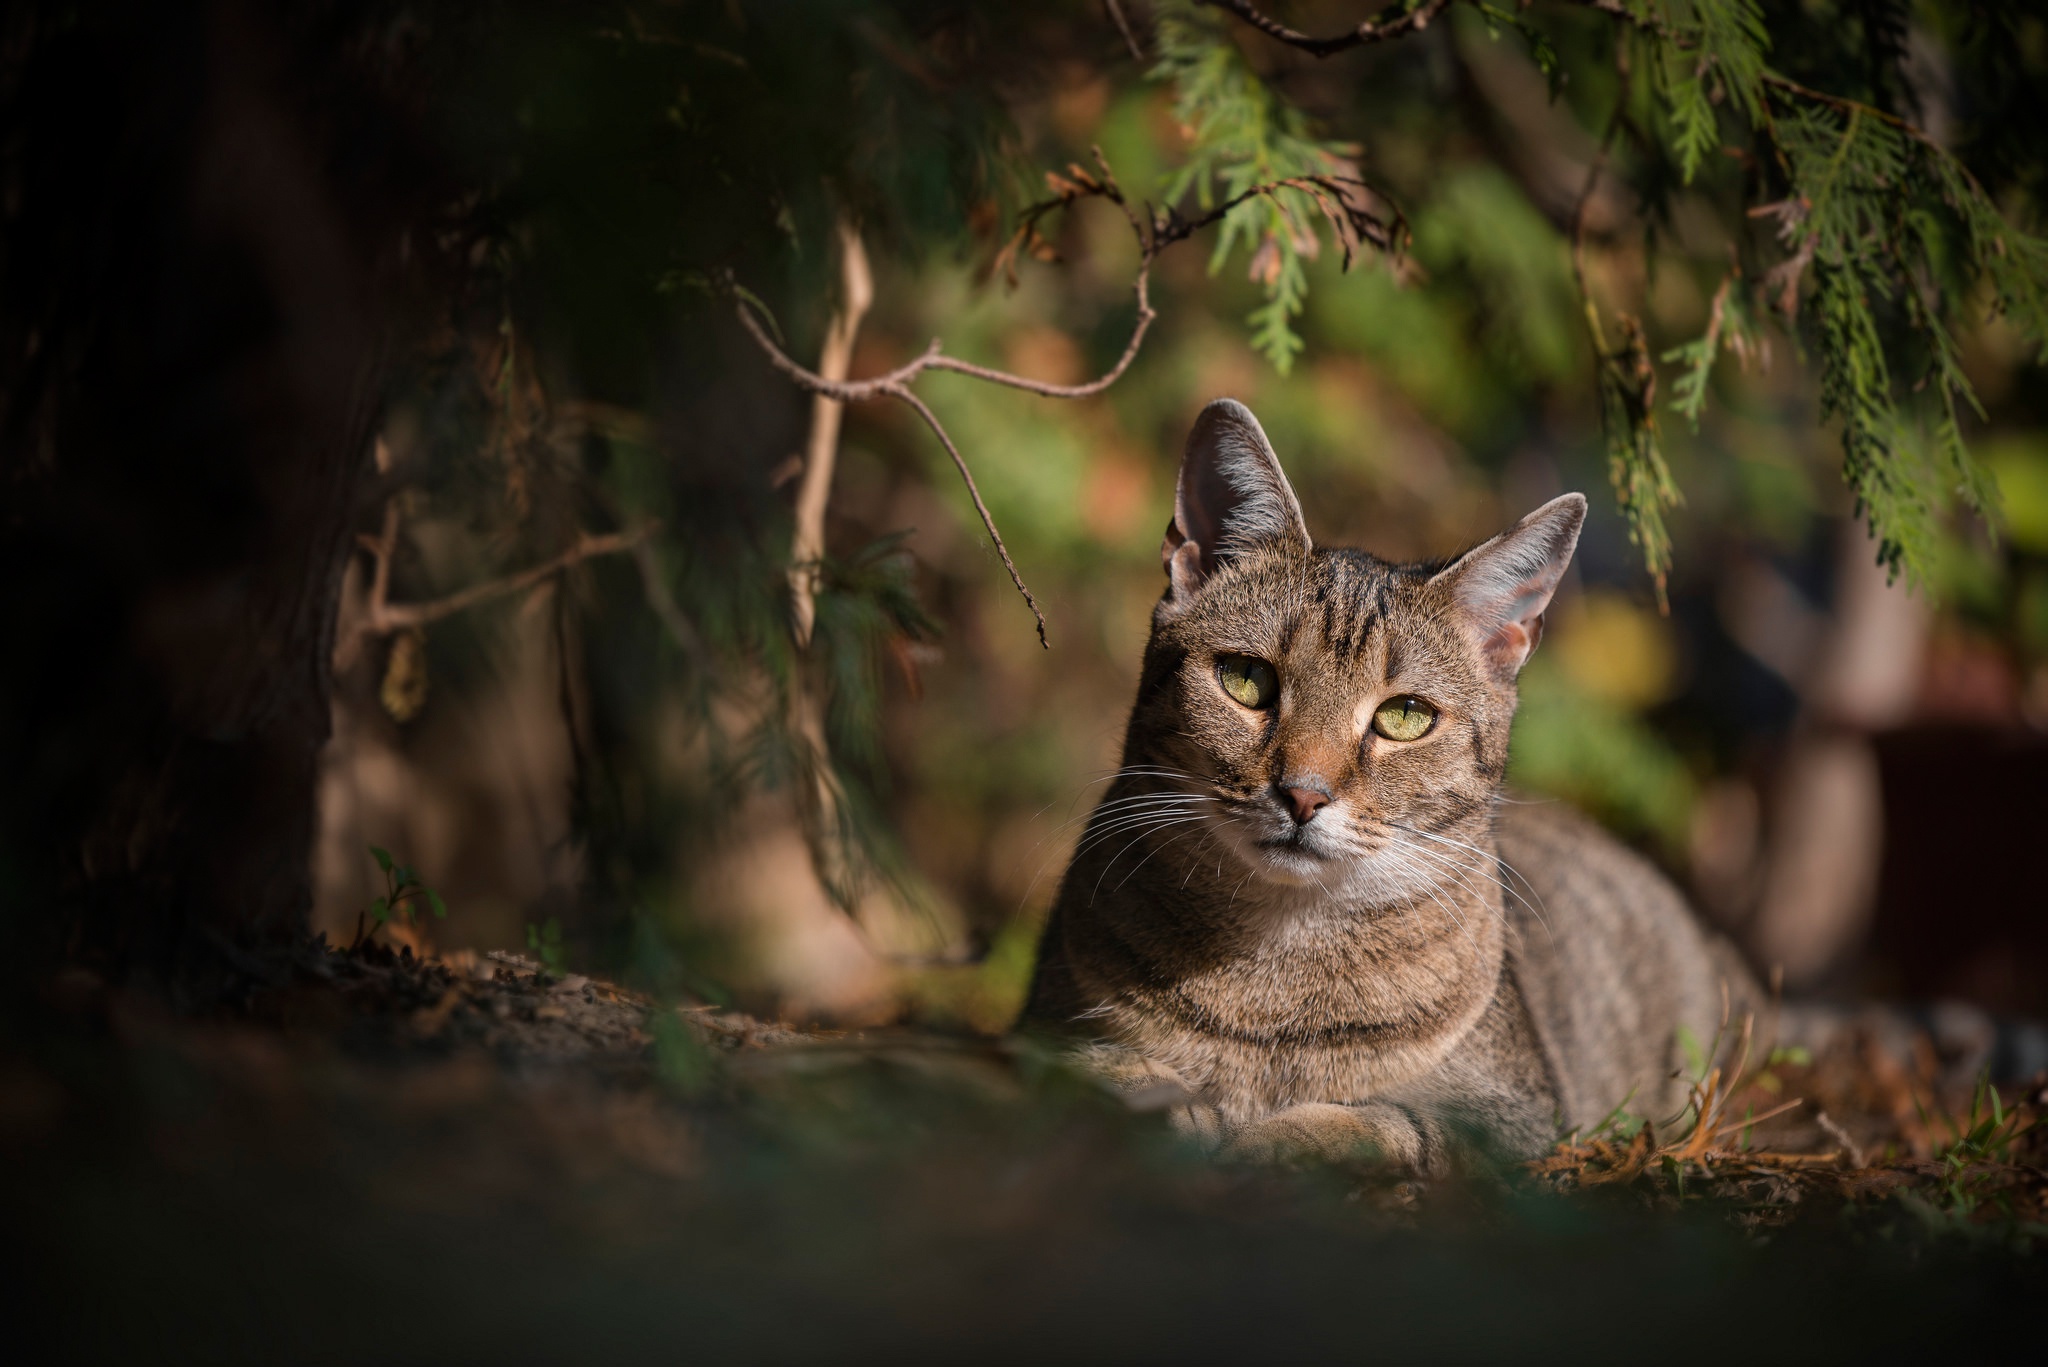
(1304,911)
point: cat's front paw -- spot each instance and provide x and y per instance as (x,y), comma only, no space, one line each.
(1323,1131)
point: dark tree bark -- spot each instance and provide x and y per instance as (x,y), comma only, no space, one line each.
(193,269)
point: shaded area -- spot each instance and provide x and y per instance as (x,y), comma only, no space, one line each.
(384,1159)
(1978,932)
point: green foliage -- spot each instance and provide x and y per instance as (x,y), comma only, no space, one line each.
(544,942)
(682,1061)
(404,894)
(1643,486)
(868,611)
(2020,466)
(613,162)
(1241,135)
(1731,327)
(1479,231)
(1883,237)
(1719,61)
(1896,232)
(1988,1135)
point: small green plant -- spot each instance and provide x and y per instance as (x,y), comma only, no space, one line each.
(1985,1136)
(544,942)
(681,1060)
(1619,1123)
(404,895)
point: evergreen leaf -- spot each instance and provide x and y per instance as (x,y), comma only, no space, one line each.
(1240,136)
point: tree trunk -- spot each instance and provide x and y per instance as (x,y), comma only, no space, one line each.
(190,386)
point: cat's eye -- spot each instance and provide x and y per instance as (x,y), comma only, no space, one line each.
(1249,681)
(1404,718)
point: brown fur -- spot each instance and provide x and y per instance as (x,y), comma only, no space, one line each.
(1421,961)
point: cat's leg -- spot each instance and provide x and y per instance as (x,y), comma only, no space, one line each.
(1145,1084)
(1328,1131)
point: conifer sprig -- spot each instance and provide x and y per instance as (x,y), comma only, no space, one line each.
(1881,244)
(1885,238)
(1241,135)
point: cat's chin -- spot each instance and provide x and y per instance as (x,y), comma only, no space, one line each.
(1297,859)
(1292,866)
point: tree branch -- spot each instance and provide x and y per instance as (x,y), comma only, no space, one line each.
(1123,26)
(1647,23)
(1400,25)
(389,617)
(380,617)
(974,492)
(821,451)
(1350,204)
(680,629)
(1579,207)
(1858,109)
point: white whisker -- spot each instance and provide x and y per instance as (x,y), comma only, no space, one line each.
(1534,908)
(1110,863)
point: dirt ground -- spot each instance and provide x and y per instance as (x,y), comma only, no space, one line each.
(475,1159)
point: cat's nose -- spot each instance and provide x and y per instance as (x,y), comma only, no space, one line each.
(1304,796)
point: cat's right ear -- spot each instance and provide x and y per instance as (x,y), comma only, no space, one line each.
(1232,496)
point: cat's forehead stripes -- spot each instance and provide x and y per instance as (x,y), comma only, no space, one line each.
(1356,599)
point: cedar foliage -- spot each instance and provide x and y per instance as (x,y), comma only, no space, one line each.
(1853,230)
(1240,134)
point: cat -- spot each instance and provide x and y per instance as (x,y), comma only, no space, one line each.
(1306,912)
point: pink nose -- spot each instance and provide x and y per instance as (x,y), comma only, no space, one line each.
(1304,799)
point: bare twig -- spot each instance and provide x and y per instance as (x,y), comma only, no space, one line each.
(1717,310)
(389,617)
(807,544)
(1850,1148)
(381,617)
(1578,228)
(1395,22)
(663,602)
(1647,23)
(1350,204)
(974,492)
(1123,26)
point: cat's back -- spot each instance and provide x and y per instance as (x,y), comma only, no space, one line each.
(1611,960)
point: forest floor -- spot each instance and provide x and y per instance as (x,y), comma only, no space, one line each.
(475,1158)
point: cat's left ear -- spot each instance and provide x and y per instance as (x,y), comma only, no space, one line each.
(1503,585)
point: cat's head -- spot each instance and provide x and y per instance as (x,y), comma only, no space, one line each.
(1347,718)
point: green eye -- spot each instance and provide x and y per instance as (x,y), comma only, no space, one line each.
(1251,682)
(1404,718)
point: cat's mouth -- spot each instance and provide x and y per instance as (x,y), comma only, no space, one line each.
(1295,857)
(1279,850)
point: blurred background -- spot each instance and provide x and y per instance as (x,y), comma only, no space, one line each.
(1849,774)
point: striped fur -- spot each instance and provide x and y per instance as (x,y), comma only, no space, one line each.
(1420,964)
